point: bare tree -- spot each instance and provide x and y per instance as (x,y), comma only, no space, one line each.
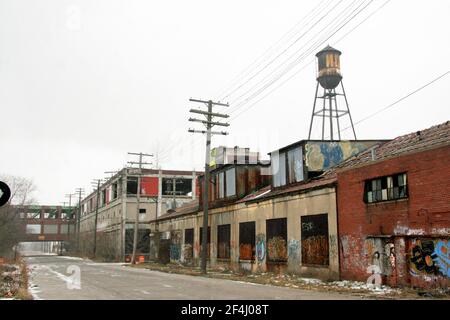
(11,228)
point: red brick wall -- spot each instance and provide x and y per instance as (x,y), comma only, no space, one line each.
(426,213)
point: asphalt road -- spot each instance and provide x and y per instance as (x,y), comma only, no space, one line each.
(50,279)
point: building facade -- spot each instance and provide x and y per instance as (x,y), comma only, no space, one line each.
(116,200)
(394,211)
(280,218)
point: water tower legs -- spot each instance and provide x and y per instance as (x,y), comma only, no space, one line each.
(331,111)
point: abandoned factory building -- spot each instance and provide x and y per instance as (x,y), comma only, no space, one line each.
(115,205)
(281,217)
(394,211)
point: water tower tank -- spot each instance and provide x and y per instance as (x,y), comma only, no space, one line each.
(329,74)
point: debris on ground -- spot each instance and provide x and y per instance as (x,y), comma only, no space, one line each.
(360,289)
(13,281)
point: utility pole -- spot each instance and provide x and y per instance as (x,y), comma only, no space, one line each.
(138,200)
(80,192)
(208,123)
(94,251)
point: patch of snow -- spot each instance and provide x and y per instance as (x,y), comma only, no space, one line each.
(73,258)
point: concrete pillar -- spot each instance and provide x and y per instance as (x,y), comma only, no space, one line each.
(194,185)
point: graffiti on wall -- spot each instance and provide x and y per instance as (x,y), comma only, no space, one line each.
(277,249)
(321,156)
(188,252)
(315,248)
(381,252)
(430,257)
(175,245)
(260,247)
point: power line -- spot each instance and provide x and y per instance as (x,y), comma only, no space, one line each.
(309,63)
(400,100)
(299,59)
(285,50)
(292,64)
(249,68)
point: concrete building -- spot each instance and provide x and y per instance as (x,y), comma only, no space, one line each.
(394,211)
(281,217)
(161,191)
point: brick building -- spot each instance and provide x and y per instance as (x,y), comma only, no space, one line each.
(394,211)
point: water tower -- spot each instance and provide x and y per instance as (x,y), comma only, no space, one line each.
(329,77)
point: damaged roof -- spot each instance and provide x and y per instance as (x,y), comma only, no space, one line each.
(434,137)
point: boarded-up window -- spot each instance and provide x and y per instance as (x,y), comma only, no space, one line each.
(276,231)
(247,241)
(315,240)
(223,241)
(143,244)
(188,244)
(189,236)
(208,241)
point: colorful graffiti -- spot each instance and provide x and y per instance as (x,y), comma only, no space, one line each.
(430,257)
(175,245)
(321,156)
(260,247)
(277,249)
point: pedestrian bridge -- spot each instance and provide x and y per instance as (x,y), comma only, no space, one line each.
(47,223)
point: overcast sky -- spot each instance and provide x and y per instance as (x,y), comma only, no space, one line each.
(84,82)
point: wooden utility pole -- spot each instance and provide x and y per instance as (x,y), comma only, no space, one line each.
(80,192)
(138,200)
(208,123)
(96,215)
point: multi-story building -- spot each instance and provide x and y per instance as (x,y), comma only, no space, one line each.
(112,209)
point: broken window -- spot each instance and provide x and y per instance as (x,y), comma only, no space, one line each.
(221,178)
(132,185)
(295,165)
(276,231)
(104,192)
(51,214)
(247,237)
(67,215)
(231,182)
(223,241)
(183,187)
(278,167)
(208,241)
(188,252)
(114,191)
(315,249)
(33,215)
(386,188)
